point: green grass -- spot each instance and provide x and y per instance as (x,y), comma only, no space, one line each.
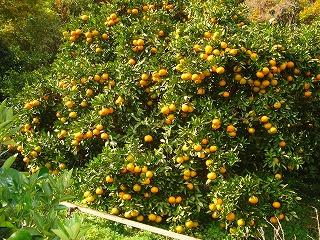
(107,230)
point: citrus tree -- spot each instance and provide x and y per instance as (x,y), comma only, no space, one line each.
(179,111)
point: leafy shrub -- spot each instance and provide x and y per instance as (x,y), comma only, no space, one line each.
(202,114)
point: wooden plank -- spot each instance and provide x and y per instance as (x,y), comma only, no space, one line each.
(128,222)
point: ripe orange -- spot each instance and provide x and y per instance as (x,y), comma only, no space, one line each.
(222,170)
(140,218)
(230,128)
(251,130)
(278,176)
(190,186)
(127,215)
(264,119)
(171,199)
(72,114)
(148,138)
(189,224)
(126,196)
(99,191)
(115,211)
(230,216)
(223,45)
(178,199)
(152,217)
(109,179)
(90,199)
(273,220)
(211,175)
(241,222)
(216,123)
(307,94)
(154,190)
(220,70)
(33,153)
(184,108)
(253,200)
(276,204)
(272,130)
(277,105)
(282,144)
(197,147)
(149,174)
(158,219)
(136,188)
(104,136)
(165,110)
(179,229)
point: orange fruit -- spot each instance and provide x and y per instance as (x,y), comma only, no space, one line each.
(99,191)
(282,144)
(230,216)
(190,186)
(251,130)
(241,222)
(278,176)
(158,219)
(211,175)
(152,217)
(72,114)
(104,136)
(273,220)
(126,196)
(225,94)
(115,211)
(179,229)
(264,119)
(230,128)
(137,188)
(307,94)
(220,70)
(127,215)
(109,179)
(253,200)
(197,147)
(149,174)
(154,189)
(189,224)
(178,199)
(171,199)
(148,138)
(90,199)
(140,218)
(276,204)
(165,110)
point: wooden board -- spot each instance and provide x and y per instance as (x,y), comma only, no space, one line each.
(128,222)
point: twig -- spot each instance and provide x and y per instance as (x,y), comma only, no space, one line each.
(318,223)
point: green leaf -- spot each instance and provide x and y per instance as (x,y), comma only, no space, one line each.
(47,188)
(2,106)
(38,219)
(32,231)
(61,234)
(4,124)
(60,207)
(73,230)
(13,131)
(43,173)
(7,224)
(9,114)
(9,161)
(83,231)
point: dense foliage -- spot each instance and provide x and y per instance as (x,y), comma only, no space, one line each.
(179,111)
